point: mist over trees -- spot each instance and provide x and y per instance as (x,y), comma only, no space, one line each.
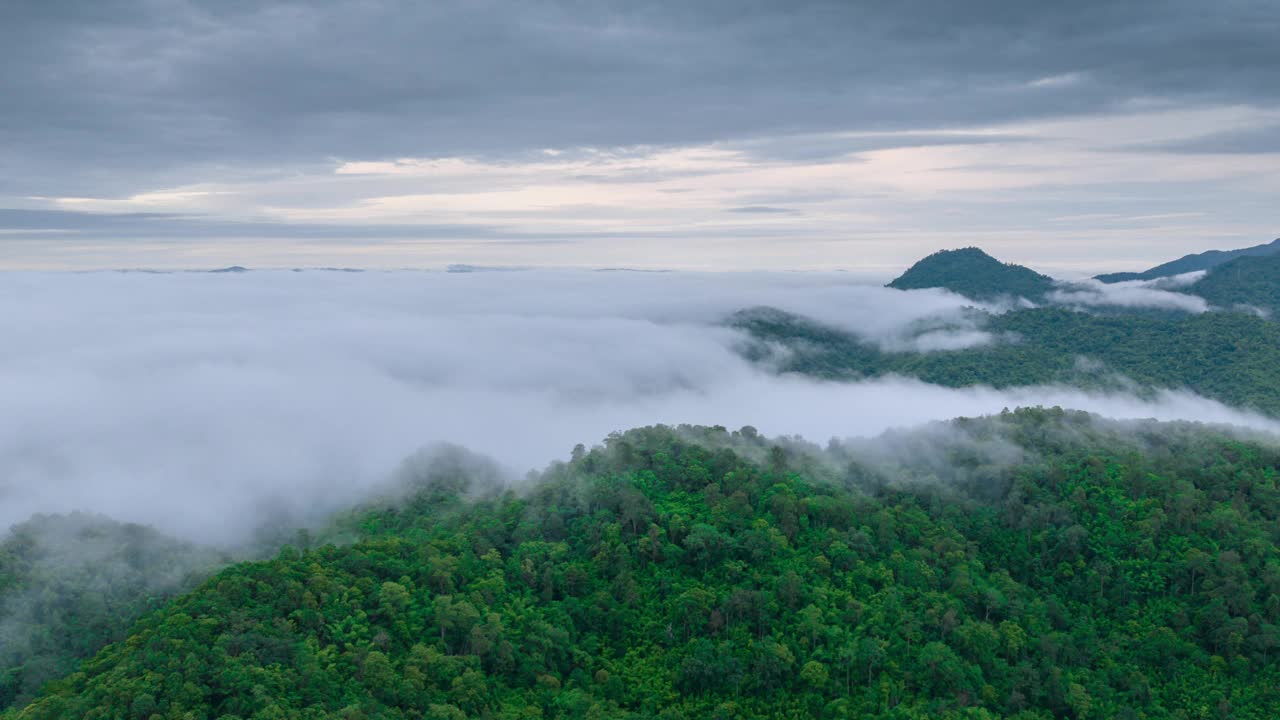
(1036,564)
(1249,282)
(209,404)
(1229,356)
(1039,563)
(1246,279)
(70,584)
(381,359)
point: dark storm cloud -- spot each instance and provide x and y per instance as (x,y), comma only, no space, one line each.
(117,95)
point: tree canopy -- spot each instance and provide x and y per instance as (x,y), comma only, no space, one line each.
(1039,564)
(1233,357)
(1247,281)
(974,274)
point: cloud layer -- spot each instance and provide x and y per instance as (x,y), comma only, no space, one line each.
(712,135)
(114,84)
(201,403)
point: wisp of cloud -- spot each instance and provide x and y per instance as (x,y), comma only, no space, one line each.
(1158,294)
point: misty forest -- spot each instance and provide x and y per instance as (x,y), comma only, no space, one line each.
(639,360)
(357,518)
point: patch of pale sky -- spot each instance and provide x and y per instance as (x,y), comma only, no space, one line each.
(925,196)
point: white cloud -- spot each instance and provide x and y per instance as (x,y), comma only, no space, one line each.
(1058,81)
(1174,282)
(1154,294)
(197,402)
(1049,193)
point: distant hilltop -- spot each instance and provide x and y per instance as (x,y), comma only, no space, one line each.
(1192,263)
(974,274)
(1248,278)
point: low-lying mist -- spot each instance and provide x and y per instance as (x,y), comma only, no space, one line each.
(203,404)
(1158,294)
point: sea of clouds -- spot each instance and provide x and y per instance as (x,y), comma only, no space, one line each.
(202,403)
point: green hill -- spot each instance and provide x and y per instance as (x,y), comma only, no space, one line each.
(974,274)
(1228,356)
(1192,263)
(1038,565)
(71,584)
(1250,281)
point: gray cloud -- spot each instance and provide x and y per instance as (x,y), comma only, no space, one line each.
(818,147)
(170,226)
(126,94)
(1246,141)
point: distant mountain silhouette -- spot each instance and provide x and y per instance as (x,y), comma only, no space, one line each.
(1192,263)
(974,274)
(1247,280)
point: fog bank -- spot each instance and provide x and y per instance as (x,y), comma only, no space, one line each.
(200,403)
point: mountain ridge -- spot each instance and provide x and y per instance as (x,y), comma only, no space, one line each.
(1193,262)
(1251,281)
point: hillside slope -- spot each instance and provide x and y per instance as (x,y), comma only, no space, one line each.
(1192,263)
(1228,356)
(71,584)
(974,274)
(1058,567)
(1248,281)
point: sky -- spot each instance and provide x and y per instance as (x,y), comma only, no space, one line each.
(800,134)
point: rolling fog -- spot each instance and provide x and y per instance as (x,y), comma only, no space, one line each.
(203,403)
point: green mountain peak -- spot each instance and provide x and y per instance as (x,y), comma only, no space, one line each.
(974,274)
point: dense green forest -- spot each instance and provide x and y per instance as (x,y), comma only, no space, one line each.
(70,584)
(1249,281)
(974,274)
(1039,564)
(1232,357)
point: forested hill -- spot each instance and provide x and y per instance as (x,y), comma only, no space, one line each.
(974,274)
(1233,357)
(1040,564)
(1192,263)
(70,584)
(1247,281)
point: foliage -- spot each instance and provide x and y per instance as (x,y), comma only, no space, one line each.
(1111,571)
(974,274)
(71,584)
(1232,357)
(1250,281)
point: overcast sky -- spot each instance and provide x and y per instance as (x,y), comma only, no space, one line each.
(1082,136)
